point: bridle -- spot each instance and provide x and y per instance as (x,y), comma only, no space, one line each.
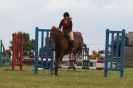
(52,43)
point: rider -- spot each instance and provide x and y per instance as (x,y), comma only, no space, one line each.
(66,26)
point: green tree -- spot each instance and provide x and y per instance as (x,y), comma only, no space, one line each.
(120,40)
(29,44)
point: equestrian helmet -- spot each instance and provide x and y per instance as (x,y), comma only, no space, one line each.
(66,14)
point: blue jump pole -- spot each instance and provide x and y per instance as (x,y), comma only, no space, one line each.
(42,48)
(112,57)
(43,64)
(122,53)
(36,51)
(106,53)
(47,49)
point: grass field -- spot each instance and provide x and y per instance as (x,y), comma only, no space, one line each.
(66,79)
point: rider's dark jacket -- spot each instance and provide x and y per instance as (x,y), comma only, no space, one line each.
(66,25)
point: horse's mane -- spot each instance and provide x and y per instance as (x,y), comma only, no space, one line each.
(56,30)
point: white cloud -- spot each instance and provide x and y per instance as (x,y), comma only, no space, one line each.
(124,6)
(72,5)
(87,7)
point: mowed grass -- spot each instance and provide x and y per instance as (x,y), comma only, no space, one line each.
(66,79)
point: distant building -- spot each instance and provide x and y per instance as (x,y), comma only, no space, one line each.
(130,37)
(129,51)
(129,56)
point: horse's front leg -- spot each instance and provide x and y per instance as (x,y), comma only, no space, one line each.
(56,66)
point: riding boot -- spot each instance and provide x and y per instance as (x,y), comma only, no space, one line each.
(72,46)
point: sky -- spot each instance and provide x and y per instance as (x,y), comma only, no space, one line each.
(90,17)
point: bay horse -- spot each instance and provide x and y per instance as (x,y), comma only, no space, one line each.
(62,46)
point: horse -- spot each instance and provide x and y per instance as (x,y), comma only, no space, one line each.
(62,45)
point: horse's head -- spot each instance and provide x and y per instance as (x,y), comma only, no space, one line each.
(55,34)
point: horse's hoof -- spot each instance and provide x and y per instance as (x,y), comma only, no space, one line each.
(52,72)
(56,74)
